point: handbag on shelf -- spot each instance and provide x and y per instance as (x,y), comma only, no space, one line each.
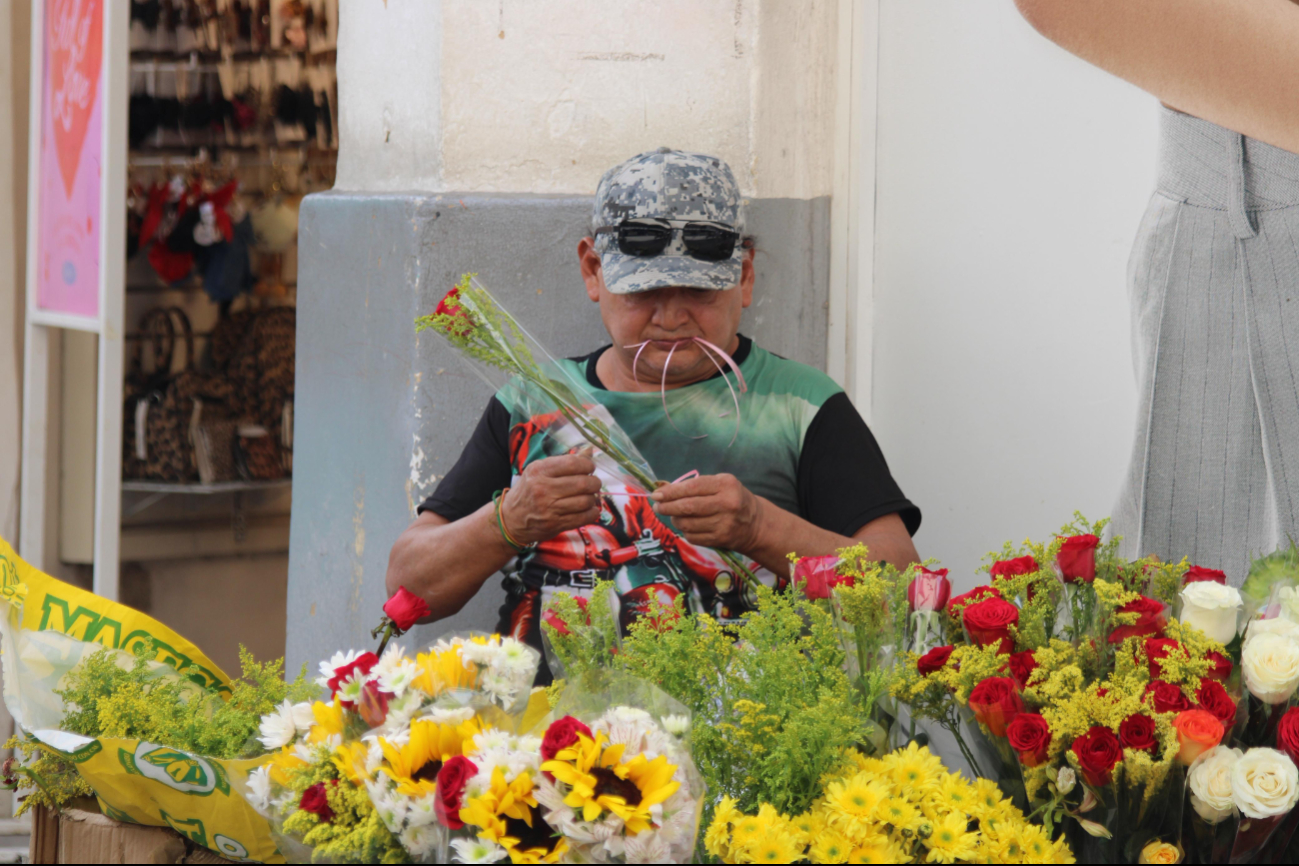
(164,409)
(257,454)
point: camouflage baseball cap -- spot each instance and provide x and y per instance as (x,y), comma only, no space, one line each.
(672,185)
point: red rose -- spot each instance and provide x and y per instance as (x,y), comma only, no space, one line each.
(1137,732)
(979,593)
(1030,737)
(561,734)
(930,590)
(315,801)
(933,660)
(406,608)
(996,702)
(1151,619)
(1195,574)
(1022,666)
(1013,567)
(462,322)
(1168,698)
(1077,558)
(451,790)
(1221,670)
(1213,698)
(360,666)
(988,622)
(813,574)
(1157,648)
(1287,734)
(1098,752)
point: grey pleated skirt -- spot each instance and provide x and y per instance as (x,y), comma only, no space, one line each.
(1214,284)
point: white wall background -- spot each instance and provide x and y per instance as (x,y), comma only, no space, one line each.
(1011,178)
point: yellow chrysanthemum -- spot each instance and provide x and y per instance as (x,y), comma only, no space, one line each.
(987,797)
(955,793)
(901,814)
(775,848)
(877,849)
(414,765)
(951,839)
(812,824)
(442,670)
(853,802)
(914,770)
(830,847)
(329,721)
(749,829)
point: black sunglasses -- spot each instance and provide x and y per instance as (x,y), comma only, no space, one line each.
(706,241)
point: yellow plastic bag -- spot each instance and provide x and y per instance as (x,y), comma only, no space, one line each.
(47,628)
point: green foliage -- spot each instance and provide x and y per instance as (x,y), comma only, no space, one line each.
(147,701)
(773,708)
(142,702)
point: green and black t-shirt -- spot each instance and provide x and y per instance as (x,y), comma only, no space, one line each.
(800,444)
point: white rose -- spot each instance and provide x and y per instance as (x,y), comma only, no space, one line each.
(1288,598)
(1264,783)
(1212,608)
(1210,780)
(1276,625)
(1270,663)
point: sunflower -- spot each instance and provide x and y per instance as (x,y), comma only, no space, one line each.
(504,814)
(329,721)
(351,759)
(600,781)
(415,765)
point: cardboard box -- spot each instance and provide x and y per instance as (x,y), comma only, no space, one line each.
(82,836)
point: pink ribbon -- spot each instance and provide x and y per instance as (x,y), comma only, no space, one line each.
(708,349)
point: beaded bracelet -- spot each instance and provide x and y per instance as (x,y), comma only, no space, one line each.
(498,499)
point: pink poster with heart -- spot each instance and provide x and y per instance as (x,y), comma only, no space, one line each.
(71,158)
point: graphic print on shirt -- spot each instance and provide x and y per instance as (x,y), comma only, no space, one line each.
(632,546)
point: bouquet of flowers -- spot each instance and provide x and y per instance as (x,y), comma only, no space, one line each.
(1089,686)
(901,808)
(879,612)
(356,779)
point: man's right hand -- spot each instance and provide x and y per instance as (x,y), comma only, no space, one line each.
(550,497)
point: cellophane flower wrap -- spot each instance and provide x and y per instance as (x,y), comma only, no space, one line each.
(879,611)
(1067,679)
(355,777)
(618,780)
(557,400)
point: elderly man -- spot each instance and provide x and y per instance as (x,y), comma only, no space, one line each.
(798,470)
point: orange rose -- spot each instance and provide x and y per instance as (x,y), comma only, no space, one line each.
(1197,731)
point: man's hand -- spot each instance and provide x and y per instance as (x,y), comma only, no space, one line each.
(552,496)
(713,511)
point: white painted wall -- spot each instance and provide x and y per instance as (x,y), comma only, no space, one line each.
(542,97)
(1011,178)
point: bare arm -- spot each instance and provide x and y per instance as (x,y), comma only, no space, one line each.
(718,511)
(446,562)
(1232,62)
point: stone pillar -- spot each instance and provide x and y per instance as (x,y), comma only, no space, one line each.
(472,138)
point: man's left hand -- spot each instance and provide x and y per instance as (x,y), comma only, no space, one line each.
(712,511)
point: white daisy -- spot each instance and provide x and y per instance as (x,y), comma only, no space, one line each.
(278,727)
(336,661)
(449,715)
(419,840)
(259,788)
(303,717)
(477,851)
